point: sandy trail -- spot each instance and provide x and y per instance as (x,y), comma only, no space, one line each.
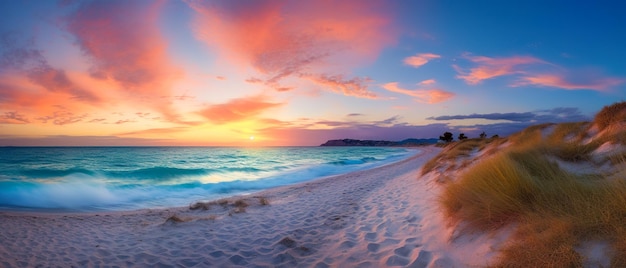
(374,218)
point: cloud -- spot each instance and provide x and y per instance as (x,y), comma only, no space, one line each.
(489,68)
(285,39)
(356,87)
(284,89)
(124,44)
(63,140)
(154,131)
(62,117)
(124,121)
(254,80)
(555,115)
(13,118)
(21,58)
(430,96)
(517,117)
(427,82)
(238,109)
(420,59)
(388,121)
(123,41)
(531,71)
(55,80)
(96,120)
(570,83)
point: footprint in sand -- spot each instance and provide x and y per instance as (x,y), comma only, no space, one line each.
(423,259)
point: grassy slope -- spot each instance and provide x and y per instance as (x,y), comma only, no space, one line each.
(519,181)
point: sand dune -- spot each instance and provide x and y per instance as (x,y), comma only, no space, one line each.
(387,216)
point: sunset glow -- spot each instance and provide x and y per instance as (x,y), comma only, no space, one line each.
(279,73)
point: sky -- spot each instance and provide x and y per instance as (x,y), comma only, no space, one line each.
(287,73)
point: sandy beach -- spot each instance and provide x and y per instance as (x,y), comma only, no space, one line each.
(387,216)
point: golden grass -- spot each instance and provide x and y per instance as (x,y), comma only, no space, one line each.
(569,132)
(455,150)
(611,114)
(553,210)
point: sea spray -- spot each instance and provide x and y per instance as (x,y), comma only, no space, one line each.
(126,178)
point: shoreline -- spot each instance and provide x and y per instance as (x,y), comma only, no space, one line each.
(383,216)
(99,188)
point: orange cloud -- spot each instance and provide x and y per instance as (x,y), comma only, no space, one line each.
(238,109)
(420,59)
(527,75)
(32,100)
(22,67)
(558,81)
(430,96)
(493,67)
(285,39)
(350,87)
(123,41)
(56,80)
(13,117)
(62,117)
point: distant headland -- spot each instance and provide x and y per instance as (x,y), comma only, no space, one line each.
(353,142)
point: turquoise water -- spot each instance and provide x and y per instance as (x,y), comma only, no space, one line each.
(126,178)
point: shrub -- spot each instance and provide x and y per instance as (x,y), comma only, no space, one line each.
(447,137)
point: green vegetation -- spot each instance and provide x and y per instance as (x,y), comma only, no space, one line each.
(552,210)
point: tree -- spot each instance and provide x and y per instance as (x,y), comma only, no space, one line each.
(483,135)
(495,136)
(447,137)
(462,136)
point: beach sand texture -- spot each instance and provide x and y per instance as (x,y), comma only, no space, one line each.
(387,216)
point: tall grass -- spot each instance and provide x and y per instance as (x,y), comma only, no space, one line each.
(611,114)
(553,209)
(455,150)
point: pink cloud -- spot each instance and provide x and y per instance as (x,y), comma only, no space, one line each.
(238,109)
(559,81)
(285,39)
(55,80)
(420,59)
(356,87)
(489,68)
(254,80)
(430,96)
(124,43)
(427,82)
(21,60)
(531,71)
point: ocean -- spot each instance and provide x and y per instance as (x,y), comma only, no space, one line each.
(129,178)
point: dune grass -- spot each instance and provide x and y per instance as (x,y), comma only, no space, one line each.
(612,114)
(455,150)
(554,210)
